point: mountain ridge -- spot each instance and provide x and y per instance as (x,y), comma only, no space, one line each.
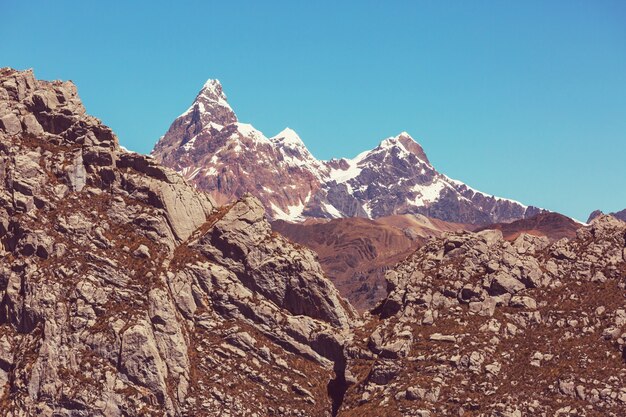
(211,148)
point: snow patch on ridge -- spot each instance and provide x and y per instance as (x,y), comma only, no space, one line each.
(288,137)
(460,183)
(427,193)
(353,170)
(292,213)
(249,131)
(332,211)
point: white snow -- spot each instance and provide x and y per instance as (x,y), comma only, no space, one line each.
(332,210)
(247,130)
(427,193)
(368,209)
(215,126)
(213,88)
(353,170)
(293,212)
(210,172)
(191,142)
(193,173)
(211,85)
(189,145)
(459,183)
(211,94)
(393,142)
(288,137)
(355,165)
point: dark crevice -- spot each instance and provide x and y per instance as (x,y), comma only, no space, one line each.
(338,386)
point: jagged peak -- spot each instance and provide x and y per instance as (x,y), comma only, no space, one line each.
(212,100)
(212,89)
(405,142)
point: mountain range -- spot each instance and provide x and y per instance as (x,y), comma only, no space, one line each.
(213,150)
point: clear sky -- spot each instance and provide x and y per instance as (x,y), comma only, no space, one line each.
(526,100)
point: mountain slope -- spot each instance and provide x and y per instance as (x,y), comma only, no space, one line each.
(356,252)
(226,158)
(554,226)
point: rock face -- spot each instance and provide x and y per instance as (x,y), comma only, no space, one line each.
(124,291)
(228,159)
(477,325)
(618,215)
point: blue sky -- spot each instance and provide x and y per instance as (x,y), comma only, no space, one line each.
(525,100)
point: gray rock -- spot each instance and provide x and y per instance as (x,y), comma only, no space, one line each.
(504,283)
(523,302)
(10,124)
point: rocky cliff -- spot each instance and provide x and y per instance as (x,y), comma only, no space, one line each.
(124,291)
(217,153)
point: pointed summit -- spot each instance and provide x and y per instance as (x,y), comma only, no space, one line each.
(406,143)
(288,137)
(211,106)
(212,90)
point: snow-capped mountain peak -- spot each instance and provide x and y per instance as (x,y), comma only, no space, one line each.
(404,143)
(213,86)
(288,137)
(211,148)
(212,92)
(211,105)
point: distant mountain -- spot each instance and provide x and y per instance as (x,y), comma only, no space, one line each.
(355,252)
(554,226)
(212,149)
(619,215)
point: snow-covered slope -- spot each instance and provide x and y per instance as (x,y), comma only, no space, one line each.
(211,148)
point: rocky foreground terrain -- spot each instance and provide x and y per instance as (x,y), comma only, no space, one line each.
(126,292)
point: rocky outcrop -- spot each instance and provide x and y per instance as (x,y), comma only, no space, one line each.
(217,153)
(475,324)
(618,215)
(124,291)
